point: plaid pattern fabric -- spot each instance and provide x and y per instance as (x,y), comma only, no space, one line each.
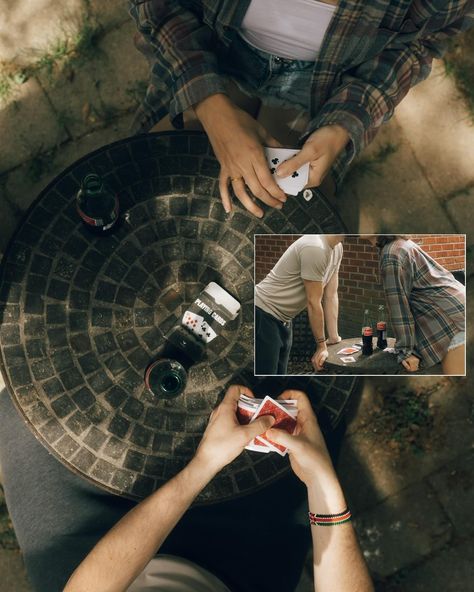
(374,51)
(425,302)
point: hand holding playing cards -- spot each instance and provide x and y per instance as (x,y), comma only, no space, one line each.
(309,456)
(238,140)
(321,150)
(224,438)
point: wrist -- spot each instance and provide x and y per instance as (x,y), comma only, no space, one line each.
(202,469)
(211,104)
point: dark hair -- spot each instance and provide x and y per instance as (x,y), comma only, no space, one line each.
(385,239)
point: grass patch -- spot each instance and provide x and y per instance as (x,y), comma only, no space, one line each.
(370,165)
(68,52)
(404,418)
(459,65)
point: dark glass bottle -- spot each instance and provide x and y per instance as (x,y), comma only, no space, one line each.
(166,377)
(381,328)
(367,346)
(97,206)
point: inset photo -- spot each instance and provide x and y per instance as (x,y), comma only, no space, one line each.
(375,304)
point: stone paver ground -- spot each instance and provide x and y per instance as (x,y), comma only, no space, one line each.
(416,177)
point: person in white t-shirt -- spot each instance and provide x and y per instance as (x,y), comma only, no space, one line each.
(124,559)
(305,277)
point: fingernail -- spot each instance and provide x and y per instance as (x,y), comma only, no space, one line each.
(279,206)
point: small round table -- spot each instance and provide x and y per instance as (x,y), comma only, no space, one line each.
(378,363)
(82,316)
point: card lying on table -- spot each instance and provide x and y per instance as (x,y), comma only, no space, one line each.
(284,412)
(296,182)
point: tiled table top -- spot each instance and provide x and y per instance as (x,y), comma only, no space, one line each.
(82,317)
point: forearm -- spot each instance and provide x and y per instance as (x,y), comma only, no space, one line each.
(331,315)
(121,555)
(337,558)
(316,320)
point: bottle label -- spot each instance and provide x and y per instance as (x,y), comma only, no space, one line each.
(367,332)
(381,326)
(98,222)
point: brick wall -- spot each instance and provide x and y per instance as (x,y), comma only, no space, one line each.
(359,286)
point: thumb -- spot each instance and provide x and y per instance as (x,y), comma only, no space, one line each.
(259,426)
(282,437)
(306,154)
(405,364)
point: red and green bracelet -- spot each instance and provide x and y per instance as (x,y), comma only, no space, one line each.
(329,519)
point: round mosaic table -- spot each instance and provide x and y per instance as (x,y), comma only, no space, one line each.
(82,316)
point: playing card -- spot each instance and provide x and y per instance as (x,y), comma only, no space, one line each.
(191,320)
(246,410)
(347,351)
(293,184)
(283,421)
(205,332)
(348,359)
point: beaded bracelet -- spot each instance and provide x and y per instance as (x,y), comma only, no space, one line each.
(329,519)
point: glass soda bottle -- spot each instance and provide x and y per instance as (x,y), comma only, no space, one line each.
(367,346)
(167,377)
(97,206)
(381,328)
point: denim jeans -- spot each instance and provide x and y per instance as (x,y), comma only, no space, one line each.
(273,341)
(276,81)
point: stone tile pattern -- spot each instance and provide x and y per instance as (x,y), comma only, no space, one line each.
(83,316)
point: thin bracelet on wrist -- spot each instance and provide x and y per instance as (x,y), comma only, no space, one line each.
(330,519)
(321,340)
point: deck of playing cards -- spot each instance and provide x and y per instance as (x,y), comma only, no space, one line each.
(284,412)
(296,182)
(210,312)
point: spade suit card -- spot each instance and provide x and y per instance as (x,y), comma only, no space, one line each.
(296,182)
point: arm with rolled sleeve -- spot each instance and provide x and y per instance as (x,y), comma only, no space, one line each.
(369,92)
(397,281)
(184,69)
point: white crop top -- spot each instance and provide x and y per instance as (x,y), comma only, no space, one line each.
(293,30)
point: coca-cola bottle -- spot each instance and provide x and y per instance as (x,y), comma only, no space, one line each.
(367,346)
(381,328)
(97,206)
(366,323)
(166,377)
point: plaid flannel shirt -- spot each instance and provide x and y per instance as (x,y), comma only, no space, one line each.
(374,51)
(425,302)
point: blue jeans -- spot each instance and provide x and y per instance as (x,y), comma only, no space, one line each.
(276,81)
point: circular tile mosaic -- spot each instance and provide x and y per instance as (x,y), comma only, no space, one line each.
(82,316)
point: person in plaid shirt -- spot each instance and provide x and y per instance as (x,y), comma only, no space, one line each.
(426,306)
(365,60)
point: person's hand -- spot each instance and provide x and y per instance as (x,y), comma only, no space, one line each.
(309,456)
(334,340)
(224,438)
(238,140)
(319,357)
(411,364)
(321,149)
